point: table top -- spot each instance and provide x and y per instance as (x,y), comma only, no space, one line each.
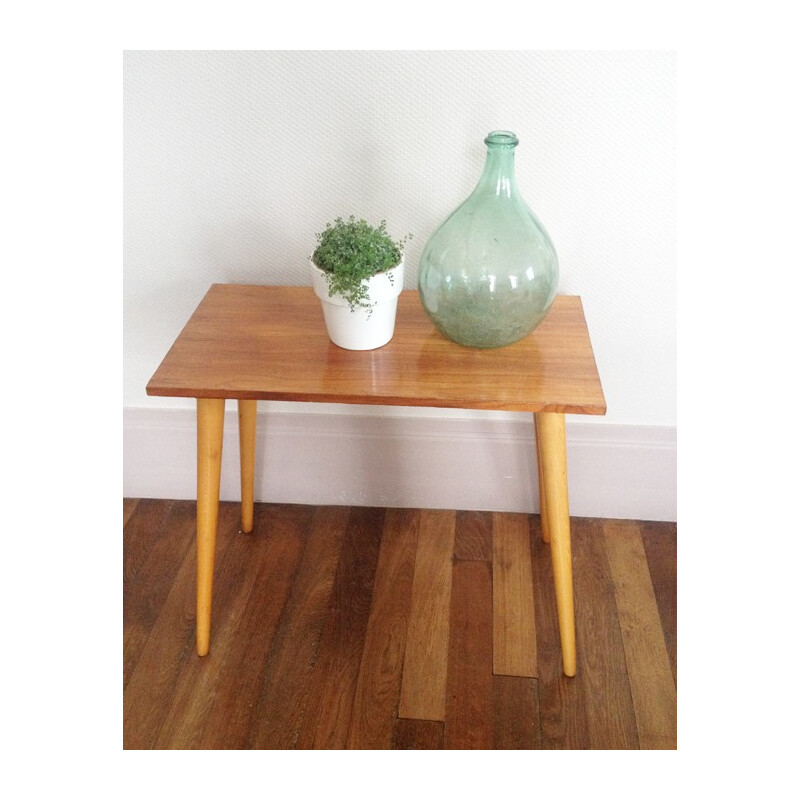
(270,343)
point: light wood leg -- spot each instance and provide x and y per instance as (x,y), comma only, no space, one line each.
(247,459)
(210,422)
(542,493)
(553,449)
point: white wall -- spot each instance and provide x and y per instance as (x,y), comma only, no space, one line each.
(233,160)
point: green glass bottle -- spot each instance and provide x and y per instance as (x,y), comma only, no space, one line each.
(489,273)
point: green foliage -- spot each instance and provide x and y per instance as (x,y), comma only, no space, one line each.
(349,252)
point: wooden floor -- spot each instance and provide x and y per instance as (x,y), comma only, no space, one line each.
(372,628)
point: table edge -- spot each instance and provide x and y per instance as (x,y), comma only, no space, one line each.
(397,402)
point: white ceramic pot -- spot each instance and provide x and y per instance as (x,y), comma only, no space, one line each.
(361,329)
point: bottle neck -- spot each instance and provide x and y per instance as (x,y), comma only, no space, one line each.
(498,176)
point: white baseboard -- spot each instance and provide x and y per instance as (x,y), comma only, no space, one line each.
(418,461)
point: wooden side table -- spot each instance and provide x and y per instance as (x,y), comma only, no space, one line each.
(252,343)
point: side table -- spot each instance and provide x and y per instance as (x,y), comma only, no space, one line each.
(252,343)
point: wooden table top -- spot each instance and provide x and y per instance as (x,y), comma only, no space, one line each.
(270,343)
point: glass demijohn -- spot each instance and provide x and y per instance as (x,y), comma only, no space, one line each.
(489,273)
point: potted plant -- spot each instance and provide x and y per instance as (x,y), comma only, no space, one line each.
(357,273)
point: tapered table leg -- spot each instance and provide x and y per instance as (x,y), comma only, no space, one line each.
(542,493)
(210,422)
(247,459)
(553,448)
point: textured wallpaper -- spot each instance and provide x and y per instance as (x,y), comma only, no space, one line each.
(233,160)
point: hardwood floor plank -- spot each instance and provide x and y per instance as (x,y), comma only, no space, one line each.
(513,619)
(473,536)
(468,711)
(314,614)
(146,697)
(602,670)
(562,712)
(418,734)
(170,643)
(660,541)
(515,713)
(652,684)
(230,719)
(334,678)
(157,539)
(422,691)
(287,687)
(141,533)
(378,688)
(128,507)
(237,568)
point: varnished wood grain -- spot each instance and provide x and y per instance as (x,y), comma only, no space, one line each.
(652,684)
(562,712)
(469,661)
(513,621)
(147,695)
(418,734)
(660,547)
(515,713)
(270,343)
(327,720)
(288,641)
(473,536)
(231,717)
(422,693)
(157,539)
(240,565)
(170,642)
(141,533)
(128,507)
(378,689)
(605,688)
(288,685)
